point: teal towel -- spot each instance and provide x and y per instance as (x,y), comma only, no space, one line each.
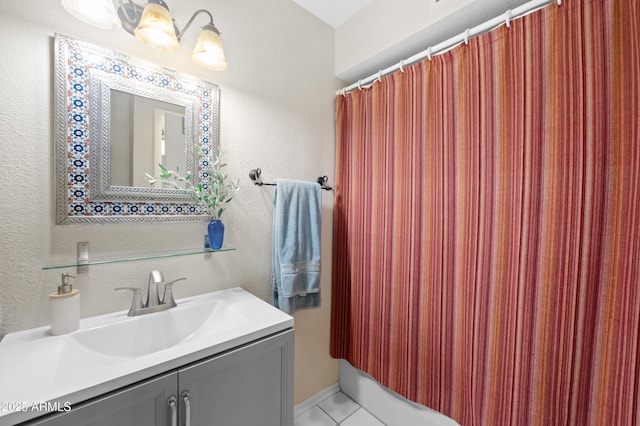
(297,221)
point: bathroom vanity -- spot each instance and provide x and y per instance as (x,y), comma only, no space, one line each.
(221,358)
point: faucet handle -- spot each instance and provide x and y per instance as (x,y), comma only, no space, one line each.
(136,303)
(167,299)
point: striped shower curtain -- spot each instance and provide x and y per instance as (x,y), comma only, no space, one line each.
(486,257)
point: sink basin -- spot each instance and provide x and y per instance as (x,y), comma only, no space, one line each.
(139,336)
(112,351)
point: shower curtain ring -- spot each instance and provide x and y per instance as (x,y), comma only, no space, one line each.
(429,52)
(379,76)
(466,36)
(359,84)
(559,2)
(507,18)
(402,66)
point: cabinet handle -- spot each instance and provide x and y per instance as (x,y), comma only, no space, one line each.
(172,402)
(187,408)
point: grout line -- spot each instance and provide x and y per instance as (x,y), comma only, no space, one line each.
(345,419)
(328,415)
(375,417)
(360,407)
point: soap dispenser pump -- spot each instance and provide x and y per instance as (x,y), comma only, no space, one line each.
(65,308)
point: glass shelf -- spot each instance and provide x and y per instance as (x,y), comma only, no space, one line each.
(134,257)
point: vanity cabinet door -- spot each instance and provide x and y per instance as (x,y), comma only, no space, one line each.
(248,386)
(139,405)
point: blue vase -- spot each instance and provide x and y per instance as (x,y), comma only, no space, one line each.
(216,233)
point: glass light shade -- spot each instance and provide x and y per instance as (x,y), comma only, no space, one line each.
(156,28)
(208,52)
(99,13)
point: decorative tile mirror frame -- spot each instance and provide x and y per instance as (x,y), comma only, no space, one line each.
(85,76)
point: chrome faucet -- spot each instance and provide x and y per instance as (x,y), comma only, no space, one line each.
(154,304)
(153,298)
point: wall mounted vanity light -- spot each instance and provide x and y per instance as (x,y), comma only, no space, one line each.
(153,25)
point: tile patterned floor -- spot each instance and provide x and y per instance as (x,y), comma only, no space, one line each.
(337,410)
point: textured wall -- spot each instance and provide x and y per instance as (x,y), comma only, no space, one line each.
(277,113)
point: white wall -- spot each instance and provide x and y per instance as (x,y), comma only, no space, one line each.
(386,31)
(277,113)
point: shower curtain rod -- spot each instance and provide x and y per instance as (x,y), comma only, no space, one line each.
(454,41)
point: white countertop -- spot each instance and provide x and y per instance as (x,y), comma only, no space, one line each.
(36,367)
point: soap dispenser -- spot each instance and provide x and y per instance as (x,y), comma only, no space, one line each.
(65,308)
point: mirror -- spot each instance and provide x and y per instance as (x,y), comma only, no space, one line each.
(117,118)
(144,132)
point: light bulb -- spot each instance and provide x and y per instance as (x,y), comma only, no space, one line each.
(156,27)
(99,13)
(209,52)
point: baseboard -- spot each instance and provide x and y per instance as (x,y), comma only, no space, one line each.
(315,399)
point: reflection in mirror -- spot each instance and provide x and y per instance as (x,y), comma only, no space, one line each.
(117,118)
(144,132)
(169,144)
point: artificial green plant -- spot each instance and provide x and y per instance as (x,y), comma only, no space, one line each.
(214,196)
